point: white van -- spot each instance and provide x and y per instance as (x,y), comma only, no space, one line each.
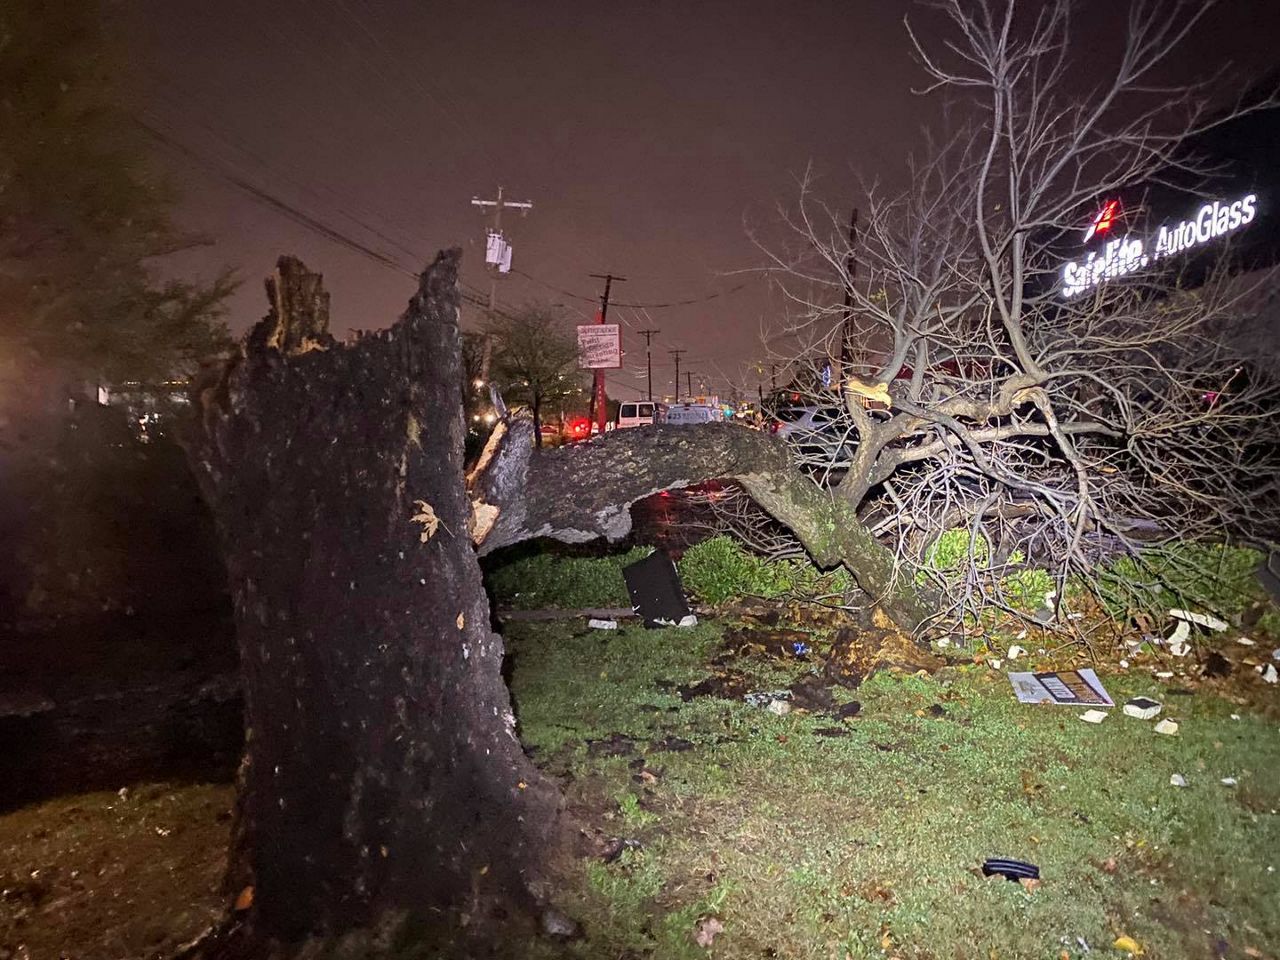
(638,414)
(687,413)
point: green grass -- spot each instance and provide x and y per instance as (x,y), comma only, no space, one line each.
(868,844)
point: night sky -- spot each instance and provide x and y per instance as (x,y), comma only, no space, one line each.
(643,132)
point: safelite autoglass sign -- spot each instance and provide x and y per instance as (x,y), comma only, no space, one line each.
(1128,254)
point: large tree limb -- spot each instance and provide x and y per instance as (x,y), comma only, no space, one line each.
(584,491)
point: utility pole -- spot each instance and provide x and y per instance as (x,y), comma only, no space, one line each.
(850,272)
(498,203)
(648,356)
(688,379)
(676,354)
(599,401)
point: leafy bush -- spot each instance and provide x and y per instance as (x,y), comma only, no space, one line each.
(542,578)
(955,548)
(722,569)
(1213,577)
(1025,589)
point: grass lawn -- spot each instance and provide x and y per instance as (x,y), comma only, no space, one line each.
(810,837)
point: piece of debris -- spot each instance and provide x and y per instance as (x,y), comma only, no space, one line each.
(614,847)
(1067,687)
(1228,781)
(1010,869)
(995,664)
(848,710)
(655,589)
(1246,641)
(1129,945)
(1235,716)
(1199,619)
(779,708)
(1016,651)
(559,926)
(800,648)
(762,698)
(706,930)
(1269,675)
(1094,716)
(244,900)
(1142,708)
(595,624)
(1177,640)
(1168,727)
(1177,780)
(1275,654)
(1216,665)
(1164,674)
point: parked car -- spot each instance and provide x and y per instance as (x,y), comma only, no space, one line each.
(822,435)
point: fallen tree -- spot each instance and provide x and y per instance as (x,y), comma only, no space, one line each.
(581,492)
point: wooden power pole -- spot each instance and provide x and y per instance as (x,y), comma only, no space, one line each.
(599,401)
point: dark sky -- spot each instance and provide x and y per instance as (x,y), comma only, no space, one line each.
(643,131)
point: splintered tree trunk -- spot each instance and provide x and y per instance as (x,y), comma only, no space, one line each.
(383,770)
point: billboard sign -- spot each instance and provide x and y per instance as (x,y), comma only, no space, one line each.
(599,346)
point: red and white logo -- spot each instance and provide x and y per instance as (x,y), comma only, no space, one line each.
(1104,221)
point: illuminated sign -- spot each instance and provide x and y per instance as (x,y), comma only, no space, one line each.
(1123,256)
(599,346)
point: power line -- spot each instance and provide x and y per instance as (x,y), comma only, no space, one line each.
(300,217)
(637,306)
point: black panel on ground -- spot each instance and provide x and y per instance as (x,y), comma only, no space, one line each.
(654,585)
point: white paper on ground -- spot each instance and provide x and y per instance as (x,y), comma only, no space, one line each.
(1199,619)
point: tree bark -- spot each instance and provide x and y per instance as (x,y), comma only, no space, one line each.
(383,770)
(579,492)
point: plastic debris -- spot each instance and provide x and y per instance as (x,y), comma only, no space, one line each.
(1168,727)
(1010,869)
(1228,781)
(1177,780)
(1246,641)
(779,708)
(800,648)
(1269,675)
(1016,651)
(1094,716)
(1142,708)
(1068,687)
(1199,619)
(1275,654)
(1164,674)
(1129,945)
(996,664)
(602,624)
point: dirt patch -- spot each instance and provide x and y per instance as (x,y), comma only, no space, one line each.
(99,876)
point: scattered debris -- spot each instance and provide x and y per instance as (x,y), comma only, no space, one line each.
(560,926)
(1275,654)
(1269,675)
(1029,884)
(1164,674)
(1016,651)
(995,664)
(1167,727)
(1129,945)
(1228,781)
(1068,687)
(779,708)
(1177,780)
(1010,869)
(706,930)
(1094,716)
(1199,619)
(1142,708)
(595,624)
(1246,641)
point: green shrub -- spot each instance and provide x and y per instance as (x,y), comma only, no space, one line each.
(1213,577)
(955,548)
(722,569)
(535,580)
(1025,589)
